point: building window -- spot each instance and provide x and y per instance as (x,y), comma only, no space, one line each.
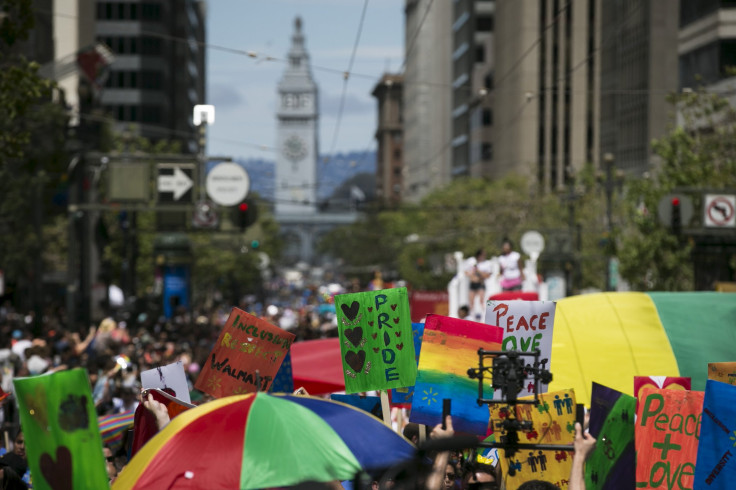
(151,80)
(397,154)
(484,24)
(151,11)
(487,117)
(150,114)
(150,45)
(397,171)
(487,151)
(480,53)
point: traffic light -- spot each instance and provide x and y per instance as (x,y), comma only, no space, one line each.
(676,216)
(246,213)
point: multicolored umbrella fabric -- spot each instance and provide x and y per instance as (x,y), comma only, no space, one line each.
(260,440)
(609,338)
(113,427)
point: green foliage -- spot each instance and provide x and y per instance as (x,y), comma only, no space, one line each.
(32,157)
(699,153)
(411,243)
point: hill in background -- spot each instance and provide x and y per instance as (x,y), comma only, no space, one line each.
(332,173)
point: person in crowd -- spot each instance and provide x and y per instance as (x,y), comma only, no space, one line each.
(511,264)
(464,313)
(9,478)
(477,269)
(479,476)
(16,459)
(112,470)
(538,485)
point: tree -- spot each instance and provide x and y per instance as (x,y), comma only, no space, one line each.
(700,152)
(32,157)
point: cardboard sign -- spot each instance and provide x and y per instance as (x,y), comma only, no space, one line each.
(449,347)
(527,326)
(666,434)
(405,395)
(661,382)
(716,463)
(63,443)
(284,380)
(245,358)
(376,341)
(553,422)
(725,372)
(611,465)
(170,378)
(370,404)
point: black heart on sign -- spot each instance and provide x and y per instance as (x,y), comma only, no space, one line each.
(351,311)
(355,361)
(58,473)
(354,335)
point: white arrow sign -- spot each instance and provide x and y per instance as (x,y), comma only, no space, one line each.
(178,184)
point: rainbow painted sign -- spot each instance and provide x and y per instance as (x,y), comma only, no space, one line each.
(449,347)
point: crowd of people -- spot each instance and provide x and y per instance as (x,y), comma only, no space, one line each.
(116,351)
(508,267)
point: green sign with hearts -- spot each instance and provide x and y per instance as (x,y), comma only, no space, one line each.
(63,442)
(376,340)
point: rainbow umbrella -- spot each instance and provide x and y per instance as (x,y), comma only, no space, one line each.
(260,440)
(611,337)
(113,427)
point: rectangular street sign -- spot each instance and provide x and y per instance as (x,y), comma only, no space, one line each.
(175,182)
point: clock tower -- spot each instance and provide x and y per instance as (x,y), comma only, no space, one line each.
(296,140)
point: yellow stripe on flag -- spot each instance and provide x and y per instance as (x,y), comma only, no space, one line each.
(608,338)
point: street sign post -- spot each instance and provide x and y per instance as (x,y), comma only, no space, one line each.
(175,182)
(227,184)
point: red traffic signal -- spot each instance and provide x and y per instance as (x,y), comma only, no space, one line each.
(243,207)
(675,201)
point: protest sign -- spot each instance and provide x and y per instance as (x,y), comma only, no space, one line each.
(725,372)
(527,326)
(376,341)
(716,462)
(405,395)
(63,443)
(666,435)
(370,404)
(245,358)
(661,382)
(553,422)
(170,378)
(284,380)
(611,465)
(449,347)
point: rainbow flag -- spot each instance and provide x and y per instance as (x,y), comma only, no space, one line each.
(113,427)
(449,347)
(611,337)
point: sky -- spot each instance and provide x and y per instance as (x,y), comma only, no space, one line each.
(243,88)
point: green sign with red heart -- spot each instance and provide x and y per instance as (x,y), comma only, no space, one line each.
(63,442)
(376,340)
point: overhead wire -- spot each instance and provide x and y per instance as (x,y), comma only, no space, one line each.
(346,78)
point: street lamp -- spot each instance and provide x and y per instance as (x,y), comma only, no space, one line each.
(608,160)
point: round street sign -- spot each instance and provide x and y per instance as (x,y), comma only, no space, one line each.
(532,242)
(227,184)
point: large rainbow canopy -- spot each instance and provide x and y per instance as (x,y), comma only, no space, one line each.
(611,337)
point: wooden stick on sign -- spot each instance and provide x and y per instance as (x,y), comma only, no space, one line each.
(386,408)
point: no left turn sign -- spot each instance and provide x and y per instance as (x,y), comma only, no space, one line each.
(720,211)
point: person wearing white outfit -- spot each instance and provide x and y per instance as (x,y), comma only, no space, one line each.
(511,268)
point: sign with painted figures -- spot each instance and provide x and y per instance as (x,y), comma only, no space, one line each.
(245,358)
(553,422)
(611,465)
(376,340)
(725,372)
(63,443)
(527,326)
(666,437)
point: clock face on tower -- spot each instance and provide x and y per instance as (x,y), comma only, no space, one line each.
(295,148)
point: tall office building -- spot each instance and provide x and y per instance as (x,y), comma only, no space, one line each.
(390,139)
(427,96)
(707,41)
(472,68)
(545,88)
(159,72)
(638,70)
